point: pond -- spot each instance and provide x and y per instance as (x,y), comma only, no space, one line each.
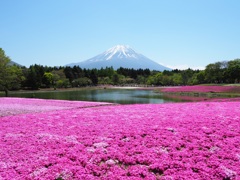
(120,96)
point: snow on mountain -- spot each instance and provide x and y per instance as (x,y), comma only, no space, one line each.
(121,51)
(120,56)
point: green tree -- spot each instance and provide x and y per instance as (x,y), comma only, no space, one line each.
(104,80)
(158,79)
(155,79)
(48,79)
(115,78)
(63,83)
(94,77)
(10,75)
(150,80)
(214,73)
(233,71)
(59,78)
(187,75)
(177,79)
(141,79)
(201,77)
(81,82)
(34,76)
(69,73)
(31,79)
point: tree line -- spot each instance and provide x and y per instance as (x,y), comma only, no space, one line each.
(13,77)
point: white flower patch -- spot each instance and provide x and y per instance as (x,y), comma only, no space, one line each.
(48,136)
(72,139)
(238,156)
(100,145)
(38,172)
(111,162)
(14,135)
(214,149)
(91,149)
(229,173)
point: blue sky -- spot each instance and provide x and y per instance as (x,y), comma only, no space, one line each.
(176,33)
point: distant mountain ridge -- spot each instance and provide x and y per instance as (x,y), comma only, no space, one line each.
(120,56)
(12,63)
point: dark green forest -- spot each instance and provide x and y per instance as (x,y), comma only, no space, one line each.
(13,77)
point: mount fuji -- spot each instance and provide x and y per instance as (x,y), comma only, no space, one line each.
(120,56)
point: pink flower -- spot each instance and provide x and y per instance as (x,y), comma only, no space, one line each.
(165,141)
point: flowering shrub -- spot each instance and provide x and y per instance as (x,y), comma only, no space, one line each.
(154,141)
(231,89)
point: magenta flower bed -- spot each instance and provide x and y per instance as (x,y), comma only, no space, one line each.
(161,141)
(188,98)
(13,106)
(204,89)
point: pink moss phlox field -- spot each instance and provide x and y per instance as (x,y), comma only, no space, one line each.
(13,106)
(155,141)
(188,98)
(203,89)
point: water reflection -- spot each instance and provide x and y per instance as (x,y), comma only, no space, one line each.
(121,96)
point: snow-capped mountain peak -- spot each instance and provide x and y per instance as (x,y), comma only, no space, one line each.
(120,56)
(120,51)
(118,48)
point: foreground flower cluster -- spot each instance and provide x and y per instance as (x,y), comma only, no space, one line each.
(154,141)
(204,89)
